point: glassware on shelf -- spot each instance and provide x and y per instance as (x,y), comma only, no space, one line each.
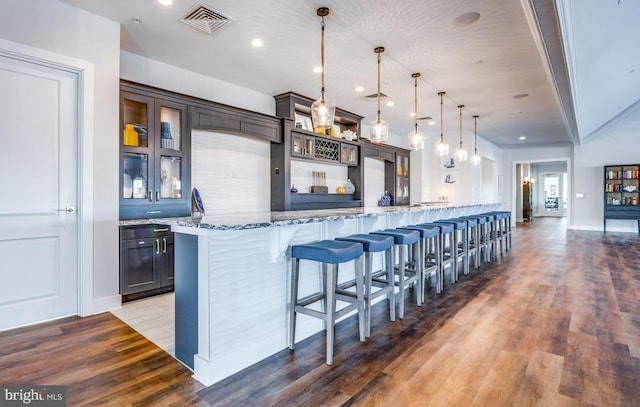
(349,188)
(165,136)
(139,187)
(127,186)
(130,136)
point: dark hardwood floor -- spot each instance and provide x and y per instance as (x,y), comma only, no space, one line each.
(555,322)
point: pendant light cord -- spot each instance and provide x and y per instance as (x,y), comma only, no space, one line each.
(460,138)
(441,117)
(322,58)
(475,135)
(415,102)
(378,85)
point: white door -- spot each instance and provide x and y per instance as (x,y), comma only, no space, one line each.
(38,193)
(551,194)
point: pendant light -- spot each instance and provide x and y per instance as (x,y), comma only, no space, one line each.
(416,138)
(442,148)
(379,129)
(475,158)
(461,153)
(322,111)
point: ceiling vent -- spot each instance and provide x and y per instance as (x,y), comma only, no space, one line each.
(206,19)
(374,96)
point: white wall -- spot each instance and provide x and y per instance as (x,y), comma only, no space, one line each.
(150,72)
(615,143)
(63,29)
(229,172)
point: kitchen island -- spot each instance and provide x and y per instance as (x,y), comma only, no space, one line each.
(232,277)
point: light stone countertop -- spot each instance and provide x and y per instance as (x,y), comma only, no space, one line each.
(242,221)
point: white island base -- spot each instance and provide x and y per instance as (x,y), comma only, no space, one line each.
(232,278)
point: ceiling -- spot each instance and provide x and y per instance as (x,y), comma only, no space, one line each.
(482,65)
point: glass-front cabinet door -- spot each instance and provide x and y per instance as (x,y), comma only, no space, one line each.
(154,145)
(402,179)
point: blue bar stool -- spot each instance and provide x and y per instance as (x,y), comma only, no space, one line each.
(374,244)
(492,228)
(475,223)
(507,228)
(484,231)
(442,257)
(327,252)
(499,230)
(407,276)
(429,253)
(459,250)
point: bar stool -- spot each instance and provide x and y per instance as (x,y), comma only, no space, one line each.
(407,276)
(374,244)
(507,228)
(476,224)
(445,242)
(327,252)
(429,253)
(460,235)
(492,229)
(499,230)
(486,245)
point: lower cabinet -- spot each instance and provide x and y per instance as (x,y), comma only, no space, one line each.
(146,261)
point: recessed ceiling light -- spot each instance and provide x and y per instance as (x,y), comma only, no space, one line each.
(466,19)
(389,104)
(359,88)
(412,114)
(432,122)
(165,2)
(522,138)
(317,69)
(257,42)
(136,20)
(521,95)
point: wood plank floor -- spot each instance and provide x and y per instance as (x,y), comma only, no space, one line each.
(554,323)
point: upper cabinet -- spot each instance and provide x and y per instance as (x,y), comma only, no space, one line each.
(402,178)
(154,155)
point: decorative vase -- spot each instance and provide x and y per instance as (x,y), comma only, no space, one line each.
(130,136)
(165,135)
(349,188)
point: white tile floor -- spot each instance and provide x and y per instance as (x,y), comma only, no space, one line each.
(153,318)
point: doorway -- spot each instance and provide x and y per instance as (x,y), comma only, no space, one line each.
(552,194)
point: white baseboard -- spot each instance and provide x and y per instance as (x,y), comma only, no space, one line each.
(104,304)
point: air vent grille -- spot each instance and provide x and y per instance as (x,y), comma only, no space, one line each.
(206,19)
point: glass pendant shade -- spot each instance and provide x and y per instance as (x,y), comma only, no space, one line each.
(476,158)
(416,138)
(442,148)
(461,154)
(322,111)
(322,114)
(378,131)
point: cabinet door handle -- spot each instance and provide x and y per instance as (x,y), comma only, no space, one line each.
(161,230)
(150,195)
(157,195)
(164,245)
(157,246)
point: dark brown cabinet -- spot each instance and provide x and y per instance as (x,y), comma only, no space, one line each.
(146,260)
(154,155)
(527,201)
(300,143)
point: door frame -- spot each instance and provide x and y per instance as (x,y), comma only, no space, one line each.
(516,181)
(84,71)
